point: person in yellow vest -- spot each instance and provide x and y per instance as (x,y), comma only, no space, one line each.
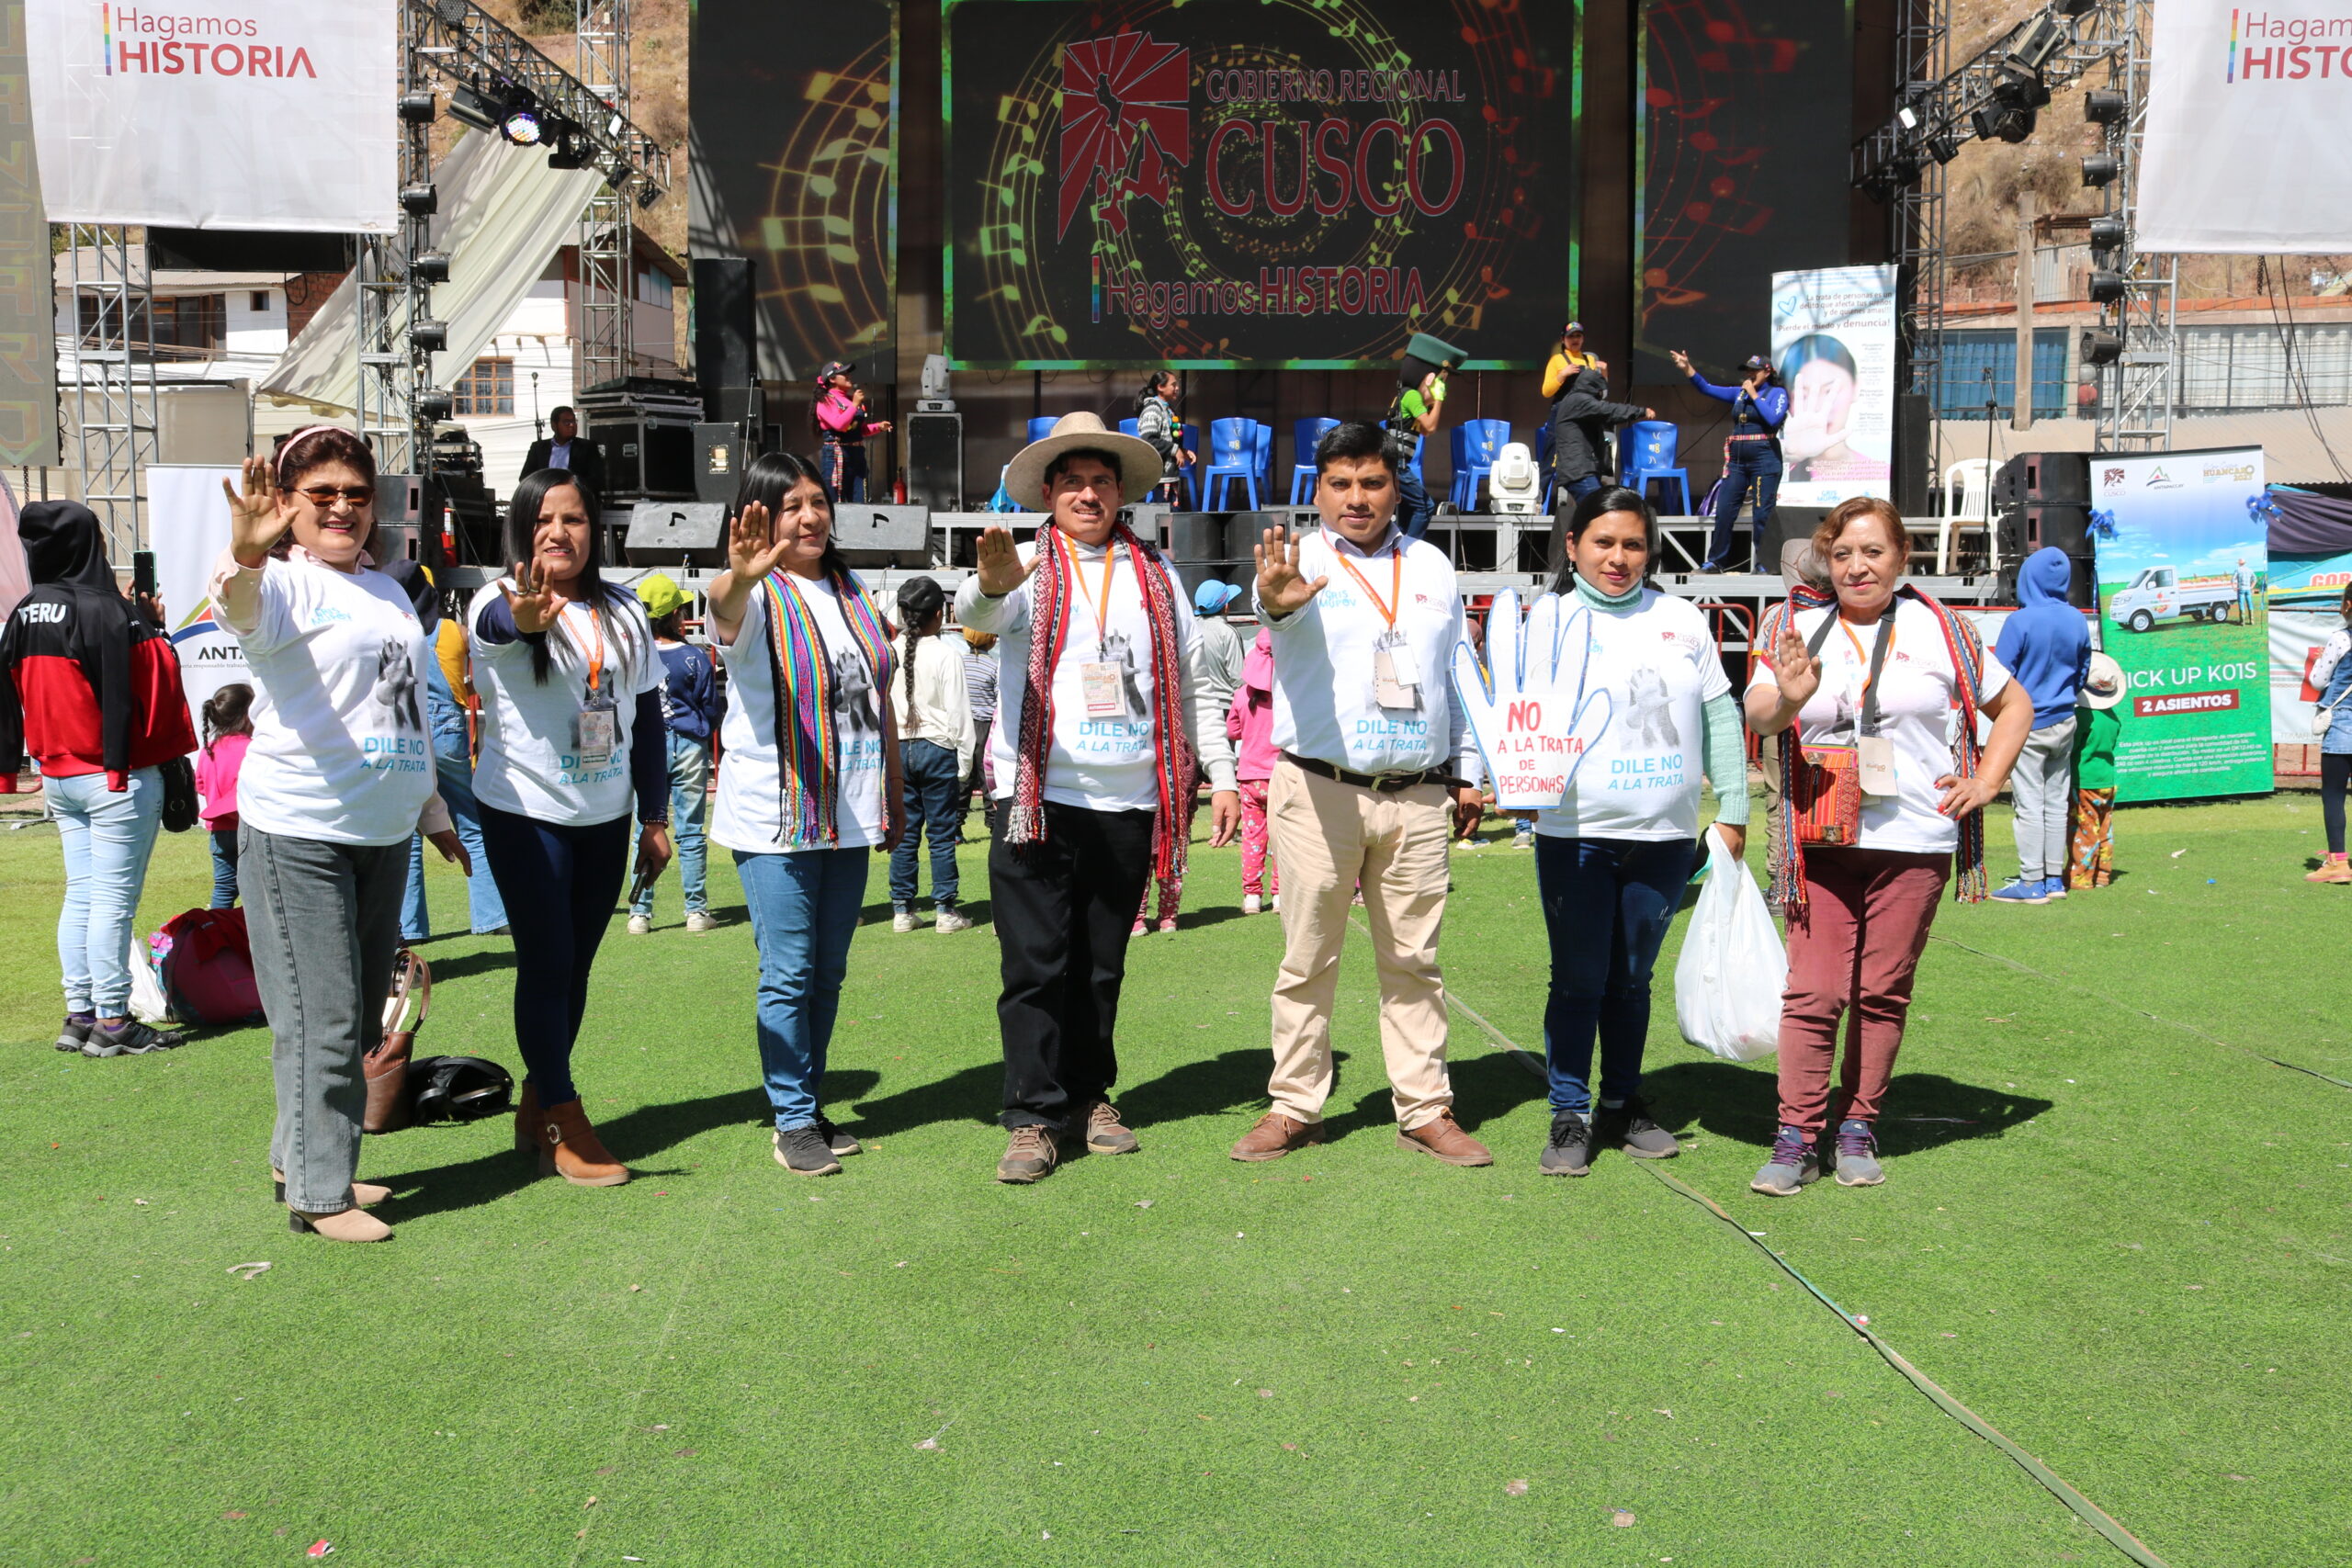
(1567,357)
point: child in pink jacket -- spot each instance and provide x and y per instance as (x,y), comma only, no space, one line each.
(228,730)
(1251,722)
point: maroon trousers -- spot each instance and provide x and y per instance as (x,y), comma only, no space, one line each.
(1854,953)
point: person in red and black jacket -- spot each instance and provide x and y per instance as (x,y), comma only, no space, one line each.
(90,687)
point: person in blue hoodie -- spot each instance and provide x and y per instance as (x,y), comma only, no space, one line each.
(2046,644)
(1759,406)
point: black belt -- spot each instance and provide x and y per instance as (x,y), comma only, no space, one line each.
(1386,783)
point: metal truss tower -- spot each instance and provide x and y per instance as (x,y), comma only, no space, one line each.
(113,364)
(2138,389)
(1922,57)
(607,243)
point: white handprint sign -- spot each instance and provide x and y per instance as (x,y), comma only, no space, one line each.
(1526,705)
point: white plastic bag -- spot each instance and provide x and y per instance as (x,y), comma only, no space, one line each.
(148,1003)
(1727,983)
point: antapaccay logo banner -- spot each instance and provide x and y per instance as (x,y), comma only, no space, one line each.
(2249,123)
(217,114)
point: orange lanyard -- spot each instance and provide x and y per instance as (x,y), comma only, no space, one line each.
(596,660)
(1102,604)
(1396,585)
(1862,659)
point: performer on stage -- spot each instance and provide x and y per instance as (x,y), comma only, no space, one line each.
(1156,422)
(1413,417)
(1752,456)
(1567,357)
(839,416)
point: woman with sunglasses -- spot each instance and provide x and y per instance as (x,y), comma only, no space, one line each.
(572,740)
(339,773)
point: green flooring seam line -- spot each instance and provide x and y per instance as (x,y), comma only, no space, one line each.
(2082,1507)
(2082,990)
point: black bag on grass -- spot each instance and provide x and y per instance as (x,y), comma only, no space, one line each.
(457,1089)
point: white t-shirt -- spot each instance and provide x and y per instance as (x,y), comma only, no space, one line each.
(1105,761)
(1639,778)
(531,764)
(1917,692)
(750,813)
(339,751)
(1326,705)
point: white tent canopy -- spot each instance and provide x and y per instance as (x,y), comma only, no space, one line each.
(503,212)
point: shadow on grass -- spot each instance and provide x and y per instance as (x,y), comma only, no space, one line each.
(457,965)
(1923,1111)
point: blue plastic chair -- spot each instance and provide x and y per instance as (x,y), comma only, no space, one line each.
(1305,435)
(1129,426)
(1647,450)
(1233,455)
(1041,426)
(1543,460)
(1476,444)
(1261,442)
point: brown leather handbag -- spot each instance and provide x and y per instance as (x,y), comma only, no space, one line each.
(387,1066)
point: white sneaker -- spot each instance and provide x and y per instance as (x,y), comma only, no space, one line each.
(1275,902)
(952,921)
(641,925)
(903,920)
(1251,903)
(701,920)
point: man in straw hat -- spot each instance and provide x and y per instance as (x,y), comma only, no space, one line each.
(1099,728)
(1374,771)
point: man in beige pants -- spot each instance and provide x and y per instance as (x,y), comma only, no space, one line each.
(1367,790)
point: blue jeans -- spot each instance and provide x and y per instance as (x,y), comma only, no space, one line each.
(454,776)
(932,778)
(1756,463)
(1607,903)
(689,804)
(107,836)
(804,910)
(843,466)
(1414,507)
(560,881)
(224,868)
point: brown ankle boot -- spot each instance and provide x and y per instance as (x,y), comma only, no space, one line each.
(527,1120)
(570,1149)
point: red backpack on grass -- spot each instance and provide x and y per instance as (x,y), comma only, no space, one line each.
(206,965)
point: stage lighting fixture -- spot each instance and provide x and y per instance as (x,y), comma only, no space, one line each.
(648,196)
(418,108)
(1942,146)
(430,334)
(2107,233)
(1878,185)
(2101,347)
(567,146)
(2033,43)
(451,12)
(2071,9)
(420,202)
(2101,107)
(2011,124)
(433,266)
(521,126)
(473,108)
(433,404)
(2107,287)
(2100,169)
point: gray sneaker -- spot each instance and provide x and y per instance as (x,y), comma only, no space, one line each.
(75,1033)
(836,1140)
(1857,1158)
(1568,1150)
(1642,1138)
(133,1039)
(1030,1156)
(802,1151)
(1794,1164)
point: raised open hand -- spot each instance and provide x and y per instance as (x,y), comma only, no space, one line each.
(1282,590)
(538,605)
(1794,667)
(752,549)
(1681,361)
(256,518)
(998,563)
(1527,704)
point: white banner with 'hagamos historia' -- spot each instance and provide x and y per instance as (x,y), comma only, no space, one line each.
(217,114)
(2249,143)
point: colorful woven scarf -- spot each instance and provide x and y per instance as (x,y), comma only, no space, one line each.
(1049,615)
(1967,653)
(808,749)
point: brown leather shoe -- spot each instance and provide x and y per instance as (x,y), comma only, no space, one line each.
(569,1148)
(1105,1133)
(1276,1135)
(1442,1138)
(527,1120)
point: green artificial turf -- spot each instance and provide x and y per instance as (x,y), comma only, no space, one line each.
(2122,1239)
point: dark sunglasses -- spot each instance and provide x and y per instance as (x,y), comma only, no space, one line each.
(327,495)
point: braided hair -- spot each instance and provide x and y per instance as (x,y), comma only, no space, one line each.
(920,602)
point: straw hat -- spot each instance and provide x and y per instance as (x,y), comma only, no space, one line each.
(2103,687)
(1024,480)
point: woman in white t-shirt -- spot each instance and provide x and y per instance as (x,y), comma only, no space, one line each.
(338,774)
(1612,857)
(808,784)
(1885,686)
(571,740)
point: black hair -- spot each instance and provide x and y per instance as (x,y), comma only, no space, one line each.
(1151,386)
(561,409)
(1062,460)
(771,475)
(522,528)
(920,600)
(1810,348)
(1607,498)
(1356,438)
(227,712)
(670,625)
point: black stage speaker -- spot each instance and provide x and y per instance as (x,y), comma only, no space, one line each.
(718,462)
(2082,584)
(2043,476)
(864,525)
(676,533)
(726,333)
(1914,454)
(2057,525)
(936,460)
(2008,534)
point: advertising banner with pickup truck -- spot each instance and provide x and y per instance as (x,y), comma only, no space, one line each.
(2183,582)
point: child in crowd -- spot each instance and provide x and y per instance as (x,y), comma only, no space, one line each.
(2091,863)
(980,688)
(228,730)
(1249,723)
(691,707)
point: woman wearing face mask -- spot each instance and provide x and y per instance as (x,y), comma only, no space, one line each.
(811,785)
(572,738)
(1612,857)
(1882,686)
(337,775)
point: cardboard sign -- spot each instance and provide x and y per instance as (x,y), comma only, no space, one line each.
(1526,702)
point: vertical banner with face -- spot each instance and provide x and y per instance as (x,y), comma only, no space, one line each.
(218,114)
(1833,347)
(27,290)
(188,523)
(2183,584)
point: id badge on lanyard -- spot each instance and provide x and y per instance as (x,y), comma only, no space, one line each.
(597,732)
(1393,679)
(1101,681)
(1874,753)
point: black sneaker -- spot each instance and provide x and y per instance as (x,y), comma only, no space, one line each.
(1631,1126)
(75,1033)
(1569,1151)
(836,1140)
(802,1152)
(132,1039)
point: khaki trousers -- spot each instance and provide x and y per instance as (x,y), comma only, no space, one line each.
(1327,836)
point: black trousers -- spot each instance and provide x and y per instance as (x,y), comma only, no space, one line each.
(1063,911)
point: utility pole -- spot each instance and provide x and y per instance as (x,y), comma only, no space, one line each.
(2021,403)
